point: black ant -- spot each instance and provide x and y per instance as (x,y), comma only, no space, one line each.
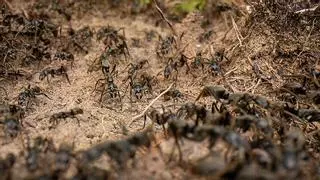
(141,84)
(63,157)
(28,94)
(64,55)
(82,38)
(62,71)
(198,60)
(6,165)
(218,92)
(33,152)
(173,65)
(108,87)
(63,115)
(12,126)
(179,128)
(190,110)
(205,36)
(134,68)
(11,74)
(165,46)
(114,40)
(104,62)
(11,111)
(122,150)
(174,94)
(161,118)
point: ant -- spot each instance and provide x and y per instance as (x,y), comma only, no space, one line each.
(218,92)
(64,55)
(104,62)
(165,46)
(246,121)
(133,68)
(108,87)
(174,94)
(178,128)
(205,36)
(158,117)
(62,71)
(110,35)
(10,74)
(63,157)
(82,38)
(63,115)
(215,62)
(33,152)
(28,94)
(122,150)
(11,110)
(198,60)
(141,84)
(6,165)
(173,65)
(114,40)
(11,126)
(149,35)
(190,110)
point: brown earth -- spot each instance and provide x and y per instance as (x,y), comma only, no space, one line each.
(108,121)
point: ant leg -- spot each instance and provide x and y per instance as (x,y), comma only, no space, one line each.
(95,86)
(120,99)
(164,131)
(44,95)
(130,98)
(27,104)
(171,154)
(144,122)
(67,77)
(102,93)
(162,107)
(179,150)
(176,78)
(78,121)
(188,68)
(4,90)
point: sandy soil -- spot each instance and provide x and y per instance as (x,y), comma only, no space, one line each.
(107,121)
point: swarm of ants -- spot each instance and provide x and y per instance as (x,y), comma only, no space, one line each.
(278,137)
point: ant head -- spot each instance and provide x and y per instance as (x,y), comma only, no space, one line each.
(11,159)
(167,72)
(78,110)
(109,79)
(138,92)
(42,76)
(37,89)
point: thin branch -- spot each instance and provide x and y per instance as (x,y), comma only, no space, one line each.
(307,10)
(236,29)
(164,18)
(152,102)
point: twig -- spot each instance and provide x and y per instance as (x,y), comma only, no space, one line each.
(307,10)
(152,102)
(9,5)
(164,18)
(255,87)
(307,38)
(236,29)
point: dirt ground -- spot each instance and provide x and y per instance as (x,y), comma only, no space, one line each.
(109,121)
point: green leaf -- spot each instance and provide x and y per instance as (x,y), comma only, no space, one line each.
(190,5)
(145,2)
